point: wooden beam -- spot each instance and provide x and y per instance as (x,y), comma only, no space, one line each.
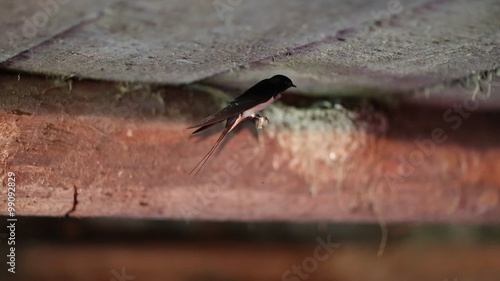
(87,148)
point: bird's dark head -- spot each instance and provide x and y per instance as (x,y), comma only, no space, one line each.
(281,82)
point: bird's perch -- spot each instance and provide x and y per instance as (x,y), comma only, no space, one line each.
(96,149)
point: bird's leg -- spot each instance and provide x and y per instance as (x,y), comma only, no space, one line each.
(259,120)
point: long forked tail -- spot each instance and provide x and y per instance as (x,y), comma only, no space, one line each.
(230,124)
(207,156)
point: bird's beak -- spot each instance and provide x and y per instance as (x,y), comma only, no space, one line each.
(294,86)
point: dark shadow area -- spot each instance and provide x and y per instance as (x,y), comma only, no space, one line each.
(151,244)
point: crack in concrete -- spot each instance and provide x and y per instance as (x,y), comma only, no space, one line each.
(339,35)
(75,202)
(90,17)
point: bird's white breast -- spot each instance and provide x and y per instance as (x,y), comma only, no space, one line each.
(260,107)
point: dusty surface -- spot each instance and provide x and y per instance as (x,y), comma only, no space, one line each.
(27,23)
(109,149)
(174,42)
(327,47)
(426,46)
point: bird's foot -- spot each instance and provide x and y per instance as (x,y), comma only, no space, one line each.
(259,121)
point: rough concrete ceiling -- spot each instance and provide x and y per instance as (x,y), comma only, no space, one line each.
(28,23)
(435,44)
(326,46)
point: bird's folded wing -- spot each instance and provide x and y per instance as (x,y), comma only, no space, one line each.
(234,108)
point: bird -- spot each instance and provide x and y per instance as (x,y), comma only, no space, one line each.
(245,106)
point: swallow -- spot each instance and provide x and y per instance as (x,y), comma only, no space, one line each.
(245,106)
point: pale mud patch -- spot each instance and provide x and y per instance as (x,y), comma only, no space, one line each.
(317,143)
